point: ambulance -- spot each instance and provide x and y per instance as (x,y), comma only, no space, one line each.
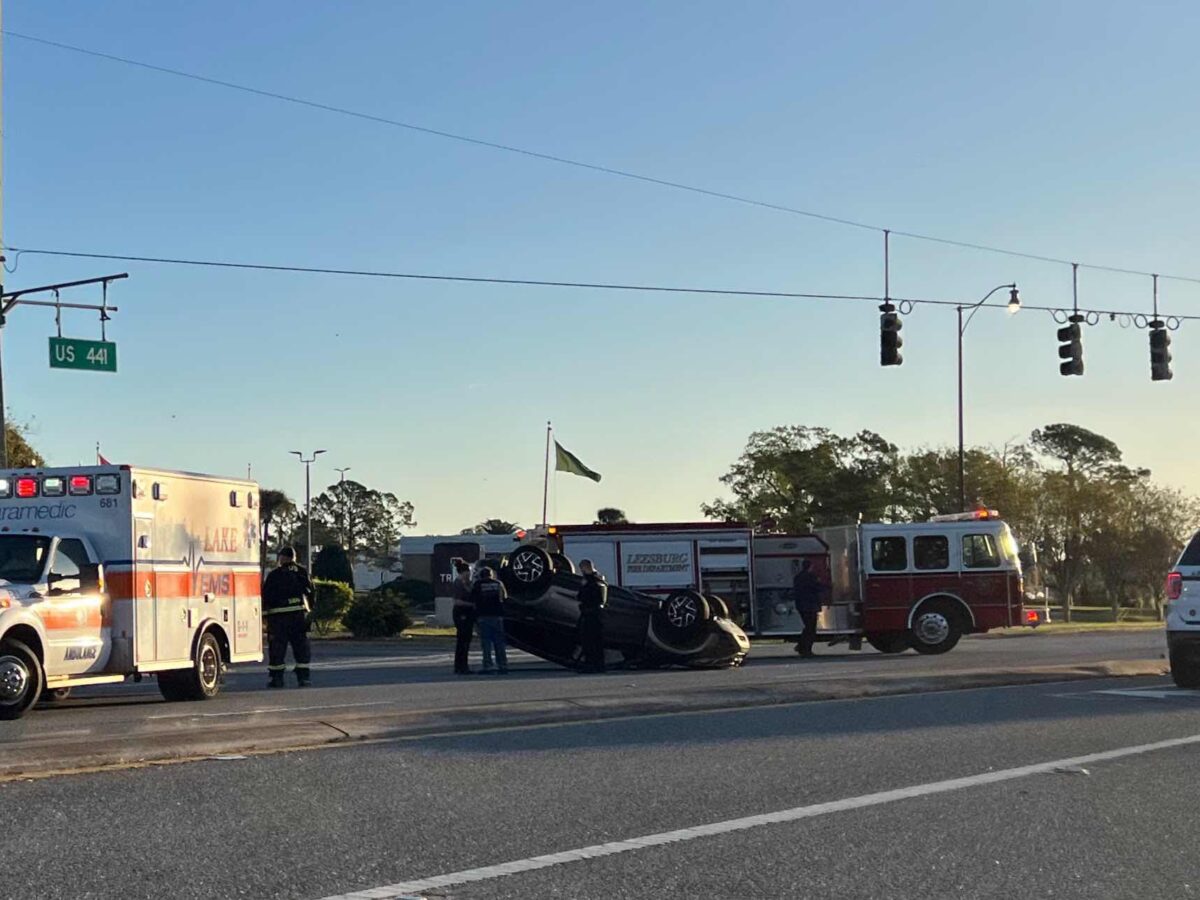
(113,573)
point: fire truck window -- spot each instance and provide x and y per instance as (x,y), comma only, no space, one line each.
(979,552)
(888,554)
(931,552)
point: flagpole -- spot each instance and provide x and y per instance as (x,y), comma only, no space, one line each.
(97,453)
(546,477)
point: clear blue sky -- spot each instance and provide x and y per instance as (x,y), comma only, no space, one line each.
(1060,128)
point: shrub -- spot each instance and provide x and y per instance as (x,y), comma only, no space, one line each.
(418,593)
(377,614)
(332,564)
(331,599)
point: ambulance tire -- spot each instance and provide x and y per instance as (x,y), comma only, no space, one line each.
(562,564)
(200,682)
(718,607)
(20,668)
(889,641)
(528,571)
(936,628)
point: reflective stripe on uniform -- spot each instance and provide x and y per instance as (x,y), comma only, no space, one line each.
(276,668)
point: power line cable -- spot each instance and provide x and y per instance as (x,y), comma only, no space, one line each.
(594,167)
(536,282)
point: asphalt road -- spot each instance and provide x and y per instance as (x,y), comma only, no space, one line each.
(383,677)
(858,796)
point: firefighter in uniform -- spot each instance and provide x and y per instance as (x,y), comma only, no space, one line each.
(286,594)
(593,597)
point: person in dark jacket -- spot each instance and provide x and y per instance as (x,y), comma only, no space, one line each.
(287,595)
(488,596)
(593,597)
(464,617)
(807,591)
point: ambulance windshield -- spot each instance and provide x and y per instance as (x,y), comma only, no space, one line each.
(22,557)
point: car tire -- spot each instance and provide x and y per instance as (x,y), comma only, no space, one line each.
(528,571)
(718,607)
(21,679)
(682,615)
(562,564)
(55,695)
(889,641)
(936,628)
(1185,667)
(200,682)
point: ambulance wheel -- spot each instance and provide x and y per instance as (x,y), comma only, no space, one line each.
(1185,667)
(681,615)
(889,641)
(202,681)
(718,607)
(21,679)
(936,628)
(529,571)
(562,564)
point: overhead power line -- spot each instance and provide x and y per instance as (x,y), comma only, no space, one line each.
(594,167)
(535,282)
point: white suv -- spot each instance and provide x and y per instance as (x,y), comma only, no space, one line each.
(1183,616)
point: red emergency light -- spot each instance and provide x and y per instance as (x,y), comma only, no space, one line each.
(27,487)
(81,485)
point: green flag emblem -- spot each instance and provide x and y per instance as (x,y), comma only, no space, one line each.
(566,461)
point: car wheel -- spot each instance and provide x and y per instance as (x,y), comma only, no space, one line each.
(682,614)
(936,628)
(889,641)
(562,564)
(21,679)
(528,571)
(1185,667)
(202,681)
(718,607)
(55,695)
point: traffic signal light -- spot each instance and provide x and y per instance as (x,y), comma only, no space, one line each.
(1160,352)
(1070,349)
(890,341)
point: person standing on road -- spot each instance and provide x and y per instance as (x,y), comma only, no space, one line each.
(806,594)
(488,596)
(286,596)
(593,597)
(464,617)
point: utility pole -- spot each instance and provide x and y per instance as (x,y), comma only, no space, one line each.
(3,417)
(308,554)
(342,529)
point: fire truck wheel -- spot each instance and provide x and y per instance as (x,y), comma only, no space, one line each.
(21,679)
(562,564)
(202,681)
(1185,668)
(528,571)
(936,628)
(681,615)
(718,607)
(889,641)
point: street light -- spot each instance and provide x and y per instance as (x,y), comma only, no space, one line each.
(342,517)
(308,502)
(1014,306)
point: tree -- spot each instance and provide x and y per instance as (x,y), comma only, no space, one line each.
(332,564)
(492,526)
(277,517)
(797,477)
(21,454)
(362,520)
(610,515)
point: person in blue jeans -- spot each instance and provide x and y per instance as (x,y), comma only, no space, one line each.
(488,596)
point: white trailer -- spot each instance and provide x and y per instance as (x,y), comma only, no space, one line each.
(116,572)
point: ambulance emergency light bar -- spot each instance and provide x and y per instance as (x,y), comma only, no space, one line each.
(977,516)
(26,487)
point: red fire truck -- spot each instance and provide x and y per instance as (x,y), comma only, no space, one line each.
(921,585)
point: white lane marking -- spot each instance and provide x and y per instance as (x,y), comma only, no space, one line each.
(1152,694)
(487,873)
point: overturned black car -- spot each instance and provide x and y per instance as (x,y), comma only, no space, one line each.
(542,618)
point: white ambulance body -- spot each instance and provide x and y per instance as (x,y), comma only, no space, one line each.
(108,572)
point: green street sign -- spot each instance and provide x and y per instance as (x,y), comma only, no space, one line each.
(91,356)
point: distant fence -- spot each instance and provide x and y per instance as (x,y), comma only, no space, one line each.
(1105,614)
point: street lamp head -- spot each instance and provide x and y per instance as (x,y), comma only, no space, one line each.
(318,452)
(1014,301)
(296,453)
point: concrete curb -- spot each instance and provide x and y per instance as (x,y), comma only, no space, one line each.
(152,745)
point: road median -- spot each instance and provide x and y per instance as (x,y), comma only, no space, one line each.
(199,738)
